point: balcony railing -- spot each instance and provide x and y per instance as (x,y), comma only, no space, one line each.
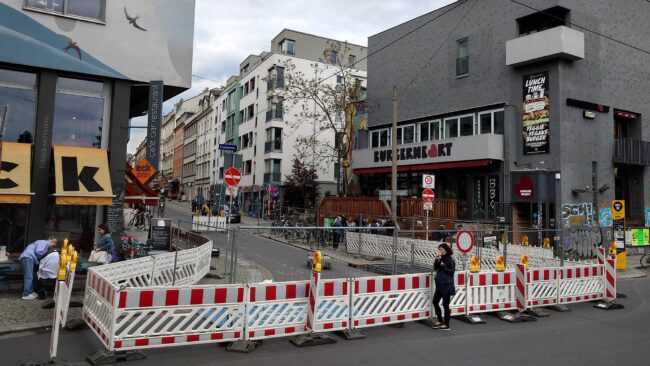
(274,114)
(271,146)
(272,84)
(272,177)
(632,152)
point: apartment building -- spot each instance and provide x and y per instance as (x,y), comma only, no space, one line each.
(254,117)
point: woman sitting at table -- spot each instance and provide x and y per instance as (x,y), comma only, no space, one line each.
(29,258)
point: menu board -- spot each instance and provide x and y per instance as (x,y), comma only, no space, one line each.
(160,233)
(115,218)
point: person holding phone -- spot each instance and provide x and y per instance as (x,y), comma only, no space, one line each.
(445,267)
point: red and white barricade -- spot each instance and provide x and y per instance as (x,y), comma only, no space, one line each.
(161,317)
(332,306)
(490,291)
(541,287)
(276,309)
(458,303)
(390,299)
(98,310)
(580,283)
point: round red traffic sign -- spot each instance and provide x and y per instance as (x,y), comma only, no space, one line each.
(464,241)
(232,176)
(428,195)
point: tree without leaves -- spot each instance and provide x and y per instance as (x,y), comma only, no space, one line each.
(323,104)
(302,183)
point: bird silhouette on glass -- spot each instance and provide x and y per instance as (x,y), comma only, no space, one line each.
(72,45)
(133,20)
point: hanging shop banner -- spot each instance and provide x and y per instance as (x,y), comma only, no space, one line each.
(82,176)
(535,114)
(154,117)
(15,168)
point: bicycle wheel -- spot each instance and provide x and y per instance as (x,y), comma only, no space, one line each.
(644,260)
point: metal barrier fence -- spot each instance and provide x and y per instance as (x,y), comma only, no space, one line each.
(131,318)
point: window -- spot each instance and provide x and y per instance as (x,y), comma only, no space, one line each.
(250,112)
(334,57)
(252,84)
(450,128)
(424,131)
(384,138)
(540,21)
(287,47)
(18,105)
(462,60)
(484,123)
(374,142)
(498,118)
(245,88)
(435,130)
(275,78)
(78,113)
(339,79)
(248,167)
(467,125)
(92,9)
(408,134)
(399,136)
(352,59)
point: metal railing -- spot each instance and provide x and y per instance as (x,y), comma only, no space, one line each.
(633,152)
(272,146)
(274,113)
(272,177)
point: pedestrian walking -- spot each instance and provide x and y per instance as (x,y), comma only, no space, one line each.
(338,231)
(30,258)
(445,289)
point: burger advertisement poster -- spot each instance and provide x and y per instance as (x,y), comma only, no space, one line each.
(535,114)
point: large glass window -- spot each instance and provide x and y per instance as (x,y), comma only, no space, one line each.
(462,59)
(93,9)
(467,125)
(375,139)
(287,47)
(424,131)
(498,122)
(17,105)
(435,130)
(78,113)
(384,137)
(451,128)
(485,123)
(408,134)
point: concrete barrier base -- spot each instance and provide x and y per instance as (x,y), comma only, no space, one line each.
(515,317)
(472,319)
(312,339)
(609,305)
(243,346)
(352,334)
(560,308)
(537,312)
(102,357)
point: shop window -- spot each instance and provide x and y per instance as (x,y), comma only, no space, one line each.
(78,113)
(18,105)
(92,9)
(466,125)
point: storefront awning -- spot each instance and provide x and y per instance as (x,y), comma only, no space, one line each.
(421,167)
(15,172)
(82,176)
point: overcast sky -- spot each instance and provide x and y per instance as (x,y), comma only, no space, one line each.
(226,32)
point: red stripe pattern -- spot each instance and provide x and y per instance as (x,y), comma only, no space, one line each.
(178,340)
(136,298)
(103,287)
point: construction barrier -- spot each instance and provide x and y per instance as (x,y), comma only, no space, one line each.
(130,318)
(209,223)
(62,293)
(422,252)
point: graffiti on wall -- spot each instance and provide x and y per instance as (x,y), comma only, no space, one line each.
(584,242)
(577,214)
(605,217)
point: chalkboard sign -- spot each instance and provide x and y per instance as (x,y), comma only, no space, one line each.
(115,218)
(160,233)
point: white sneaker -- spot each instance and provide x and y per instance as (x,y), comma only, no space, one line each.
(32,296)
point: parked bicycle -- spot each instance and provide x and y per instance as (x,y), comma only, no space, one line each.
(140,220)
(645,259)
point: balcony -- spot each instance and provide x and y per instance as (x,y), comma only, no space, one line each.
(273,84)
(559,42)
(272,177)
(274,113)
(272,146)
(632,152)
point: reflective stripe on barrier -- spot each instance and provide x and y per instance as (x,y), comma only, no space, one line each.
(390,299)
(160,297)
(276,309)
(491,291)
(610,278)
(458,303)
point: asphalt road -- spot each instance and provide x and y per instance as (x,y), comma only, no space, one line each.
(285,262)
(584,336)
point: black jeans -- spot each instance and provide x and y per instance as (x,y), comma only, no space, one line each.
(437,296)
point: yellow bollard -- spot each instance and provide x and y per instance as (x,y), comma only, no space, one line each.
(501,264)
(524,260)
(316,265)
(621,261)
(547,243)
(524,240)
(474,264)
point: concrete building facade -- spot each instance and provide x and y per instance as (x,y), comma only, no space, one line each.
(522,116)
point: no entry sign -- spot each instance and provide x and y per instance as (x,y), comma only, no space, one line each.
(427,195)
(232,176)
(464,241)
(428,181)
